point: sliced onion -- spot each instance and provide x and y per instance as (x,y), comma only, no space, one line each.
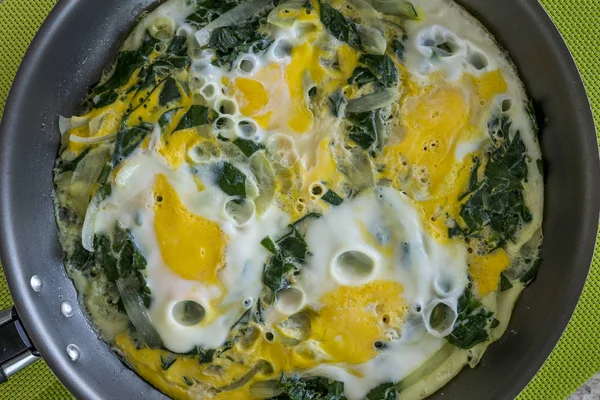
(286,22)
(234,16)
(93,139)
(89,223)
(137,313)
(265,178)
(373,101)
(66,124)
(399,8)
(371,31)
(265,389)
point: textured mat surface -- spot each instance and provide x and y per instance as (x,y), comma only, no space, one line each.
(576,357)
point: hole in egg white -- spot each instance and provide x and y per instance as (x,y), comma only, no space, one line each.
(506,105)
(442,286)
(240,211)
(247,128)
(353,267)
(188,313)
(317,189)
(439,317)
(282,49)
(227,107)
(247,65)
(478,60)
(196,83)
(225,127)
(162,28)
(208,91)
(289,300)
(160,47)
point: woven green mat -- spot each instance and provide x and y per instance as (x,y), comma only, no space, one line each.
(576,357)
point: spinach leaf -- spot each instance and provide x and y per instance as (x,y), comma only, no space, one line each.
(269,244)
(382,67)
(289,252)
(178,47)
(105,99)
(398,48)
(128,139)
(531,274)
(209,10)
(196,116)
(336,102)
(364,129)
(231,180)
(495,209)
(248,147)
(167,361)
(80,258)
(105,257)
(296,388)
(505,283)
(231,41)
(332,198)
(361,76)
(170,92)
(385,391)
(335,22)
(69,165)
(472,323)
(127,63)
(165,120)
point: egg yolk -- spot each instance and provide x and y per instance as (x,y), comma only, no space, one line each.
(191,246)
(353,318)
(486,270)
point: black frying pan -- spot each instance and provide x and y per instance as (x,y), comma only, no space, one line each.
(81,36)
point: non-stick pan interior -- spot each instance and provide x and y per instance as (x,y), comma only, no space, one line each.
(81,36)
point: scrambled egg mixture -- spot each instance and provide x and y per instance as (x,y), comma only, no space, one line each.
(304,199)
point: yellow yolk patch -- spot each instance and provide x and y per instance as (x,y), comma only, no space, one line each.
(193,247)
(353,318)
(251,96)
(489,85)
(301,120)
(486,270)
(175,146)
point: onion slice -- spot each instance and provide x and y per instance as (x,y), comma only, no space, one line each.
(137,313)
(234,16)
(373,101)
(89,223)
(399,8)
(93,139)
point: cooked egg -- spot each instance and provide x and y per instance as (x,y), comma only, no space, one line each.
(261,195)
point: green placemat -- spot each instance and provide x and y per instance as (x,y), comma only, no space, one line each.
(576,357)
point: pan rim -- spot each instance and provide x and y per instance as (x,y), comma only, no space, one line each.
(19,288)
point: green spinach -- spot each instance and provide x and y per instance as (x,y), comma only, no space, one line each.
(505,283)
(170,92)
(248,147)
(472,324)
(105,99)
(231,41)
(385,391)
(332,198)
(495,208)
(289,252)
(197,115)
(128,139)
(296,388)
(336,102)
(364,128)
(231,180)
(339,27)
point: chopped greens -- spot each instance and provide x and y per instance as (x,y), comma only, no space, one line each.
(196,116)
(248,147)
(231,41)
(472,324)
(128,139)
(495,208)
(170,92)
(336,102)
(505,283)
(296,388)
(364,129)
(231,180)
(105,99)
(289,252)
(385,391)
(332,198)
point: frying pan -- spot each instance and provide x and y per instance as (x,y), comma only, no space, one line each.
(66,57)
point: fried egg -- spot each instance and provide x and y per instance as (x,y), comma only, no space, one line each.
(338,197)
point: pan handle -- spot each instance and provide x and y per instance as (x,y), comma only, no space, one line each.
(16,349)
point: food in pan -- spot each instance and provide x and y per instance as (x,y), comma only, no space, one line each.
(315,199)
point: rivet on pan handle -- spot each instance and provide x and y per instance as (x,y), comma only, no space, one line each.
(16,350)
